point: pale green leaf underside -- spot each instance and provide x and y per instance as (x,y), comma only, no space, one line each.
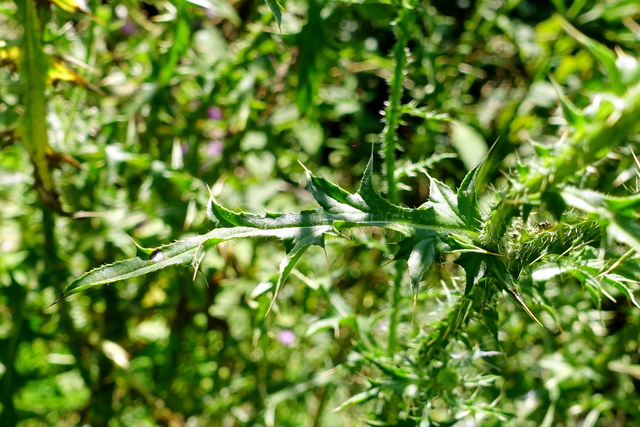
(617,214)
(182,252)
(420,259)
(591,274)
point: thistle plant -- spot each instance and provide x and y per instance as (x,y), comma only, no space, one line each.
(451,222)
(501,250)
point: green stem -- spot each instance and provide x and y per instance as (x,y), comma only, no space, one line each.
(390,132)
(493,235)
(392,112)
(8,415)
(395,309)
(33,129)
(457,314)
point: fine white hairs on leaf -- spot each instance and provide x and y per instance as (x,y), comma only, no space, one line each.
(157,256)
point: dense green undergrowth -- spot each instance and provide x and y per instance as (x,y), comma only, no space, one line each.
(458,285)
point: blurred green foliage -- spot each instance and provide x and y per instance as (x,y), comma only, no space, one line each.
(157,100)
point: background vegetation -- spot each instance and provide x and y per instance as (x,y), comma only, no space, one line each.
(116,117)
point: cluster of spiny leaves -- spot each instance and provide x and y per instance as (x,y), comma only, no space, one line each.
(451,222)
(448,222)
(581,238)
(554,182)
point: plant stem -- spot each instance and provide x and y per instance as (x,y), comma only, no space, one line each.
(392,115)
(493,235)
(8,414)
(392,112)
(33,129)
(395,308)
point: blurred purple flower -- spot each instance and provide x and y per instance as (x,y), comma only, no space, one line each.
(129,28)
(214,148)
(286,337)
(214,113)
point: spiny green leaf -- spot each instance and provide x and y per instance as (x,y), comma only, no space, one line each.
(600,52)
(333,198)
(360,398)
(302,242)
(594,202)
(183,252)
(588,270)
(440,212)
(618,214)
(506,282)
(626,230)
(468,199)
(276,9)
(429,226)
(227,218)
(629,205)
(406,245)
(420,260)
(372,198)
(621,284)
(411,168)
(444,203)
(474,266)
(586,200)
(575,116)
